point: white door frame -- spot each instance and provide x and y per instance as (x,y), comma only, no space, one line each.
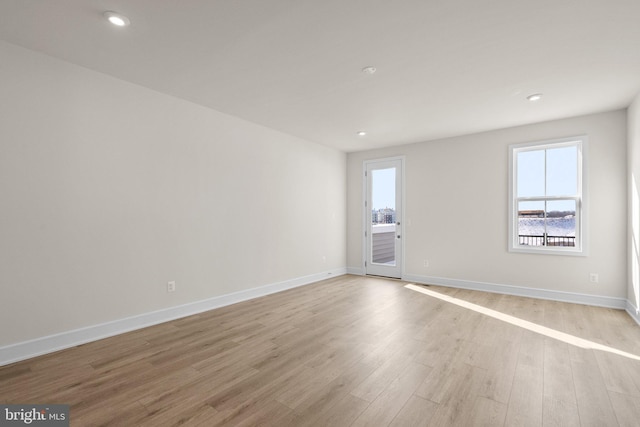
(366,212)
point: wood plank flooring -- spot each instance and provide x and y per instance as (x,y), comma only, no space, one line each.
(351,351)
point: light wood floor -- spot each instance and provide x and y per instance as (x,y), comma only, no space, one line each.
(352,351)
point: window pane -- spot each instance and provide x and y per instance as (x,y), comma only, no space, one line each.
(561,223)
(531,223)
(562,171)
(383,193)
(530,165)
(383,216)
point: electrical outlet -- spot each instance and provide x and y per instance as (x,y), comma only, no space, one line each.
(171,286)
(426,263)
(324,259)
(593,277)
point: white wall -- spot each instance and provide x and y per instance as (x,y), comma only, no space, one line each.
(457,209)
(109,190)
(633,156)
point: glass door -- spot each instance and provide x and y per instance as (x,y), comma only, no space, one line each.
(383,226)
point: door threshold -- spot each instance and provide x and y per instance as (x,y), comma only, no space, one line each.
(384,277)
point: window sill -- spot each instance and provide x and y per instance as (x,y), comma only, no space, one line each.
(548,251)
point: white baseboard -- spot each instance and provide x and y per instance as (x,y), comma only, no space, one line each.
(596,300)
(356,271)
(39,346)
(633,311)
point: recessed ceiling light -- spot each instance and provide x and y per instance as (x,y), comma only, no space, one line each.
(117,19)
(535,97)
(362,133)
(369,70)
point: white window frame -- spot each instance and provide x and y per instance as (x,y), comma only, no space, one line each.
(581,247)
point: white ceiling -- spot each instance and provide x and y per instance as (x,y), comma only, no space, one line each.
(445,67)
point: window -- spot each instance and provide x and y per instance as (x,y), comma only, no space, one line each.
(546,192)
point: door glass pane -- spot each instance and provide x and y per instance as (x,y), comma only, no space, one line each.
(562,171)
(530,165)
(383,216)
(561,223)
(531,223)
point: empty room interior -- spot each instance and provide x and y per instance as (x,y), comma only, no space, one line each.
(330,213)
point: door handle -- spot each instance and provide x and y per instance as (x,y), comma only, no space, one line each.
(398,236)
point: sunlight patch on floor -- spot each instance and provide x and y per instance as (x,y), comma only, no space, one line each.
(534,327)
